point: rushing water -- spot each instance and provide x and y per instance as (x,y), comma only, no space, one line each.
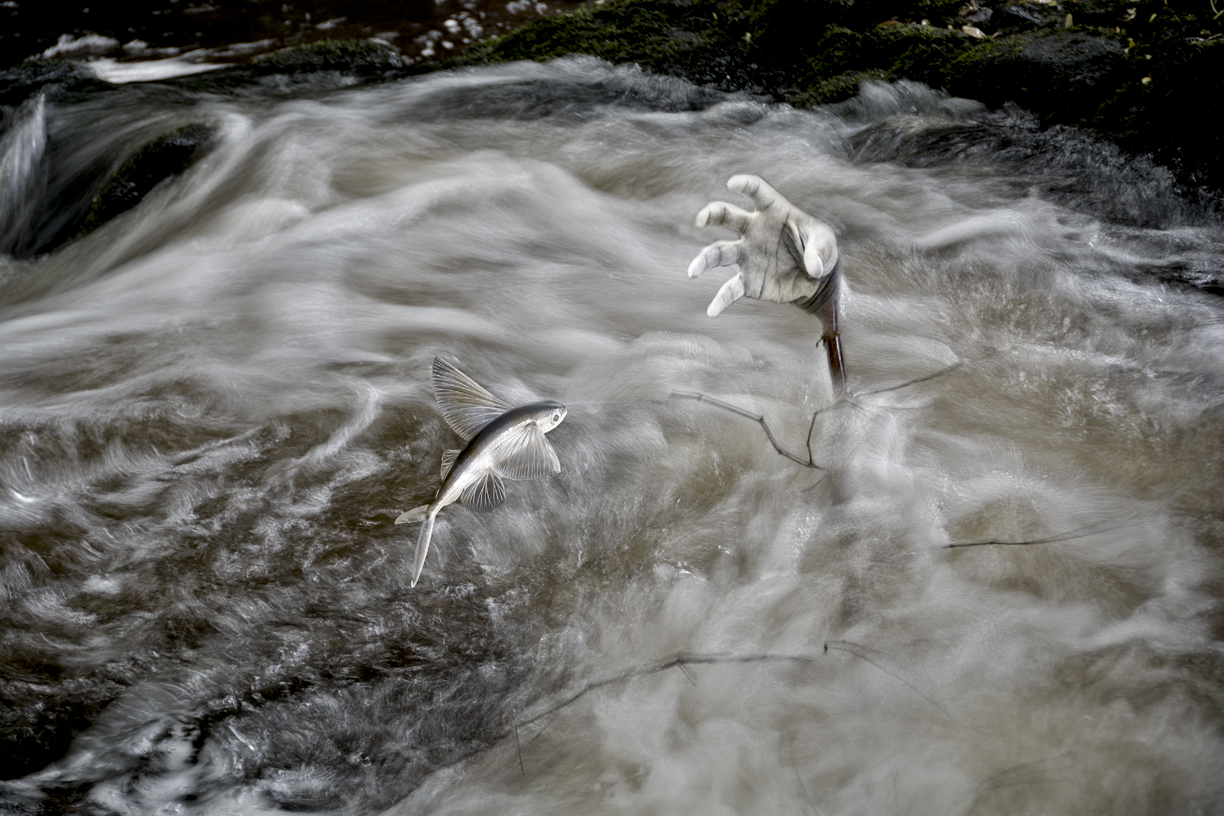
(214,406)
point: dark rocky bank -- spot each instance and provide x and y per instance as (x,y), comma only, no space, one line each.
(1146,77)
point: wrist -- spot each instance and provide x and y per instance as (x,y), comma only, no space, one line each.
(817,302)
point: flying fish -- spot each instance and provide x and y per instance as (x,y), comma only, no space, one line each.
(503,442)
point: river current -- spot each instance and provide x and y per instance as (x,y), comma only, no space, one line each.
(213,407)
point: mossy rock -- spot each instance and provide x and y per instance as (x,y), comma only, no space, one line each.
(1138,73)
(1062,75)
(163,158)
(360,57)
(836,89)
(320,67)
(1168,107)
(58,80)
(702,40)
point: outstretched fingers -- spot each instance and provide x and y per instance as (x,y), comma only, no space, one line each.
(722,253)
(730,292)
(722,214)
(757,189)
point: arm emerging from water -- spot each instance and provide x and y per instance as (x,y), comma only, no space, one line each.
(784,255)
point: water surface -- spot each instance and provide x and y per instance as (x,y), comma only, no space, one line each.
(214,406)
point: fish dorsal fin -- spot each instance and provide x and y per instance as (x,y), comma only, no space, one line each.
(525,453)
(486,494)
(448,461)
(464,403)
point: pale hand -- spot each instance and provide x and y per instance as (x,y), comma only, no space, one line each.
(784,252)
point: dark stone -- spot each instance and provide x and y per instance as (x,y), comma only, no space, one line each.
(58,80)
(319,67)
(43,715)
(159,160)
(1139,74)
(358,57)
(1021,17)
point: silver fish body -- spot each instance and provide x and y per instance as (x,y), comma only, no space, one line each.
(502,442)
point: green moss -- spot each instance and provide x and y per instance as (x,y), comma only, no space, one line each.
(319,66)
(616,34)
(919,52)
(807,52)
(158,160)
(662,36)
(839,50)
(348,56)
(706,41)
(837,88)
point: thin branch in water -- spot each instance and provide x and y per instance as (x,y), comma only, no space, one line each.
(998,781)
(552,716)
(908,383)
(1014,783)
(844,401)
(810,462)
(519,747)
(680,661)
(931,376)
(842,646)
(1080,532)
(802,785)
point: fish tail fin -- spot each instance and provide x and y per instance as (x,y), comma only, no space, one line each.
(422,548)
(415,514)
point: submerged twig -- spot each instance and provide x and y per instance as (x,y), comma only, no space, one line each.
(841,646)
(798,776)
(810,462)
(680,661)
(760,419)
(908,383)
(931,376)
(1079,532)
(1025,767)
(518,746)
(683,662)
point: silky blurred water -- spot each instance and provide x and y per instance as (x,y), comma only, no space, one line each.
(213,407)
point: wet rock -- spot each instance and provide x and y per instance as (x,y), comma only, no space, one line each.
(359,57)
(1141,75)
(57,80)
(1020,17)
(704,41)
(318,67)
(163,158)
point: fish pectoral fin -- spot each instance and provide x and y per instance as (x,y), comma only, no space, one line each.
(527,454)
(415,514)
(448,461)
(486,494)
(465,404)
